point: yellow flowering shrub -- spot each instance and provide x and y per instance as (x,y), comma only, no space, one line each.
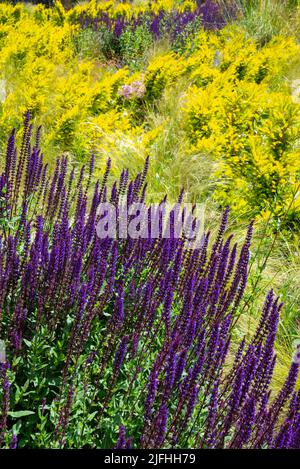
(42,74)
(163,71)
(126,9)
(240,112)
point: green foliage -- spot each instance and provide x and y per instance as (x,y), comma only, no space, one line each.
(134,45)
(100,44)
(264,19)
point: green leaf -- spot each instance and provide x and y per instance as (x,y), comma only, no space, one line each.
(20,413)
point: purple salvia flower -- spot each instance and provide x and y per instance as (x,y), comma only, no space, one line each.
(13,442)
(120,355)
(161,425)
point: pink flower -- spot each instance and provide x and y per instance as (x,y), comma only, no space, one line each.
(125,91)
(135,90)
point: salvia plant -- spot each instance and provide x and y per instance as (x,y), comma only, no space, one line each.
(125,343)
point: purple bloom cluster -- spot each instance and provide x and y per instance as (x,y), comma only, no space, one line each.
(123,442)
(208,13)
(5,399)
(161,310)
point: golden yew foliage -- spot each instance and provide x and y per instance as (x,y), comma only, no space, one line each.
(236,105)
